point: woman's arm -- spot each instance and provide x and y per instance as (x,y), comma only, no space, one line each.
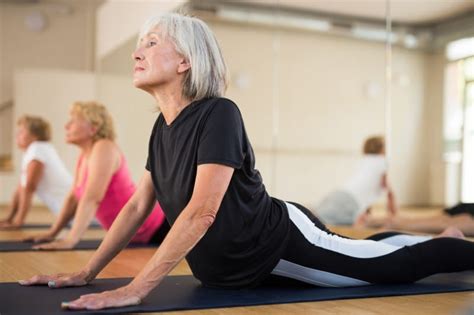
(126,224)
(66,214)
(103,162)
(12,209)
(212,181)
(34,172)
(392,207)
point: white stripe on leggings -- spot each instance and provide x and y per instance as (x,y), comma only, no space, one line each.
(349,247)
(313,276)
(405,240)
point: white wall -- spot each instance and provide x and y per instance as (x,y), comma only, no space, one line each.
(319,84)
(306,104)
(65,43)
(115,24)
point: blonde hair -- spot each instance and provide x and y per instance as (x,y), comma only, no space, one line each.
(194,40)
(374,145)
(37,126)
(98,116)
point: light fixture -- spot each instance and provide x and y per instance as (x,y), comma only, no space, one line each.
(270,18)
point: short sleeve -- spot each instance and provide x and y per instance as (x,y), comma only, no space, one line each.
(222,138)
(39,152)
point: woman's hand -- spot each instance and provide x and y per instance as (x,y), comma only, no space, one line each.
(6,225)
(124,296)
(40,238)
(58,244)
(60,280)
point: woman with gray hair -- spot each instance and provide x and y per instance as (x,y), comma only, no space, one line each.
(232,233)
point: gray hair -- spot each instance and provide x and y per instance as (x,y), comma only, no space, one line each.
(193,39)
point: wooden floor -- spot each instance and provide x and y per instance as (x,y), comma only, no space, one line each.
(20,265)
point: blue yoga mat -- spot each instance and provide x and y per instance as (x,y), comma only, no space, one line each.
(19,246)
(186,293)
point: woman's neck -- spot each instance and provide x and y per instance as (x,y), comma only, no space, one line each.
(86,147)
(171,103)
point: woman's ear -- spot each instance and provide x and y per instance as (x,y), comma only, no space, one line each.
(93,130)
(183,66)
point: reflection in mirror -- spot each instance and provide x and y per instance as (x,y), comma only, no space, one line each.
(426,101)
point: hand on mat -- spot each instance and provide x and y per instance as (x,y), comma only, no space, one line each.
(39,238)
(10,225)
(75,279)
(58,244)
(124,296)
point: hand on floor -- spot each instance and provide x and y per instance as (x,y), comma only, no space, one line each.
(59,244)
(39,238)
(59,280)
(124,296)
(9,225)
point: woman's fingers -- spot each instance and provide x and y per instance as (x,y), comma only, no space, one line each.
(38,279)
(61,282)
(108,299)
(56,281)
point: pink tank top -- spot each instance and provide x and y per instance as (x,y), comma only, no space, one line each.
(121,188)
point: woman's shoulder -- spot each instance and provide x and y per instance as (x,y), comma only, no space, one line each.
(105,146)
(40,148)
(223,106)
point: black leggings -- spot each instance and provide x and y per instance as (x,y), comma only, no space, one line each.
(461,208)
(316,255)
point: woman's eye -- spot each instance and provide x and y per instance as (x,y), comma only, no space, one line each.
(151,43)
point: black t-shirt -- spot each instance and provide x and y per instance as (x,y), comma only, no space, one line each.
(250,231)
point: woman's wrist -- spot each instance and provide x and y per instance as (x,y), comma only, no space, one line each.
(87,274)
(141,288)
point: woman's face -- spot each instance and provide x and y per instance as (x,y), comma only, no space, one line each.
(79,130)
(23,137)
(156,62)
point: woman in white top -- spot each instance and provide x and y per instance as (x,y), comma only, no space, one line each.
(42,172)
(353,201)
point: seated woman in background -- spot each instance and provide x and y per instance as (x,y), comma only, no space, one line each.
(102,184)
(42,172)
(352,202)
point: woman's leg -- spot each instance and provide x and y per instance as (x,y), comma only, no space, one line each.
(435,224)
(318,257)
(399,239)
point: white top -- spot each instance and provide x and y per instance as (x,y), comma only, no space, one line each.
(55,182)
(365,184)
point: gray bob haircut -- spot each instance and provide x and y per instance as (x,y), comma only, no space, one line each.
(194,40)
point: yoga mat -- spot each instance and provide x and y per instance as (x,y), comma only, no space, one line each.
(19,246)
(186,293)
(48,225)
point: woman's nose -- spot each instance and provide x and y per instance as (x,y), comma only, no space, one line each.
(137,55)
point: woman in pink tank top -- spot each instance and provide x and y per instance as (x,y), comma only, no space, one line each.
(102,184)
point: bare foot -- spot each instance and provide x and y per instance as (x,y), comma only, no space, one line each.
(451,232)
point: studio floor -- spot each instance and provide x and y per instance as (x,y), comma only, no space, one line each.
(20,265)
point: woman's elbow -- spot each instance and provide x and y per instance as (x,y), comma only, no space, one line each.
(206,216)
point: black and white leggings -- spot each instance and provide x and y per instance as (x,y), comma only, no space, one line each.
(318,256)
